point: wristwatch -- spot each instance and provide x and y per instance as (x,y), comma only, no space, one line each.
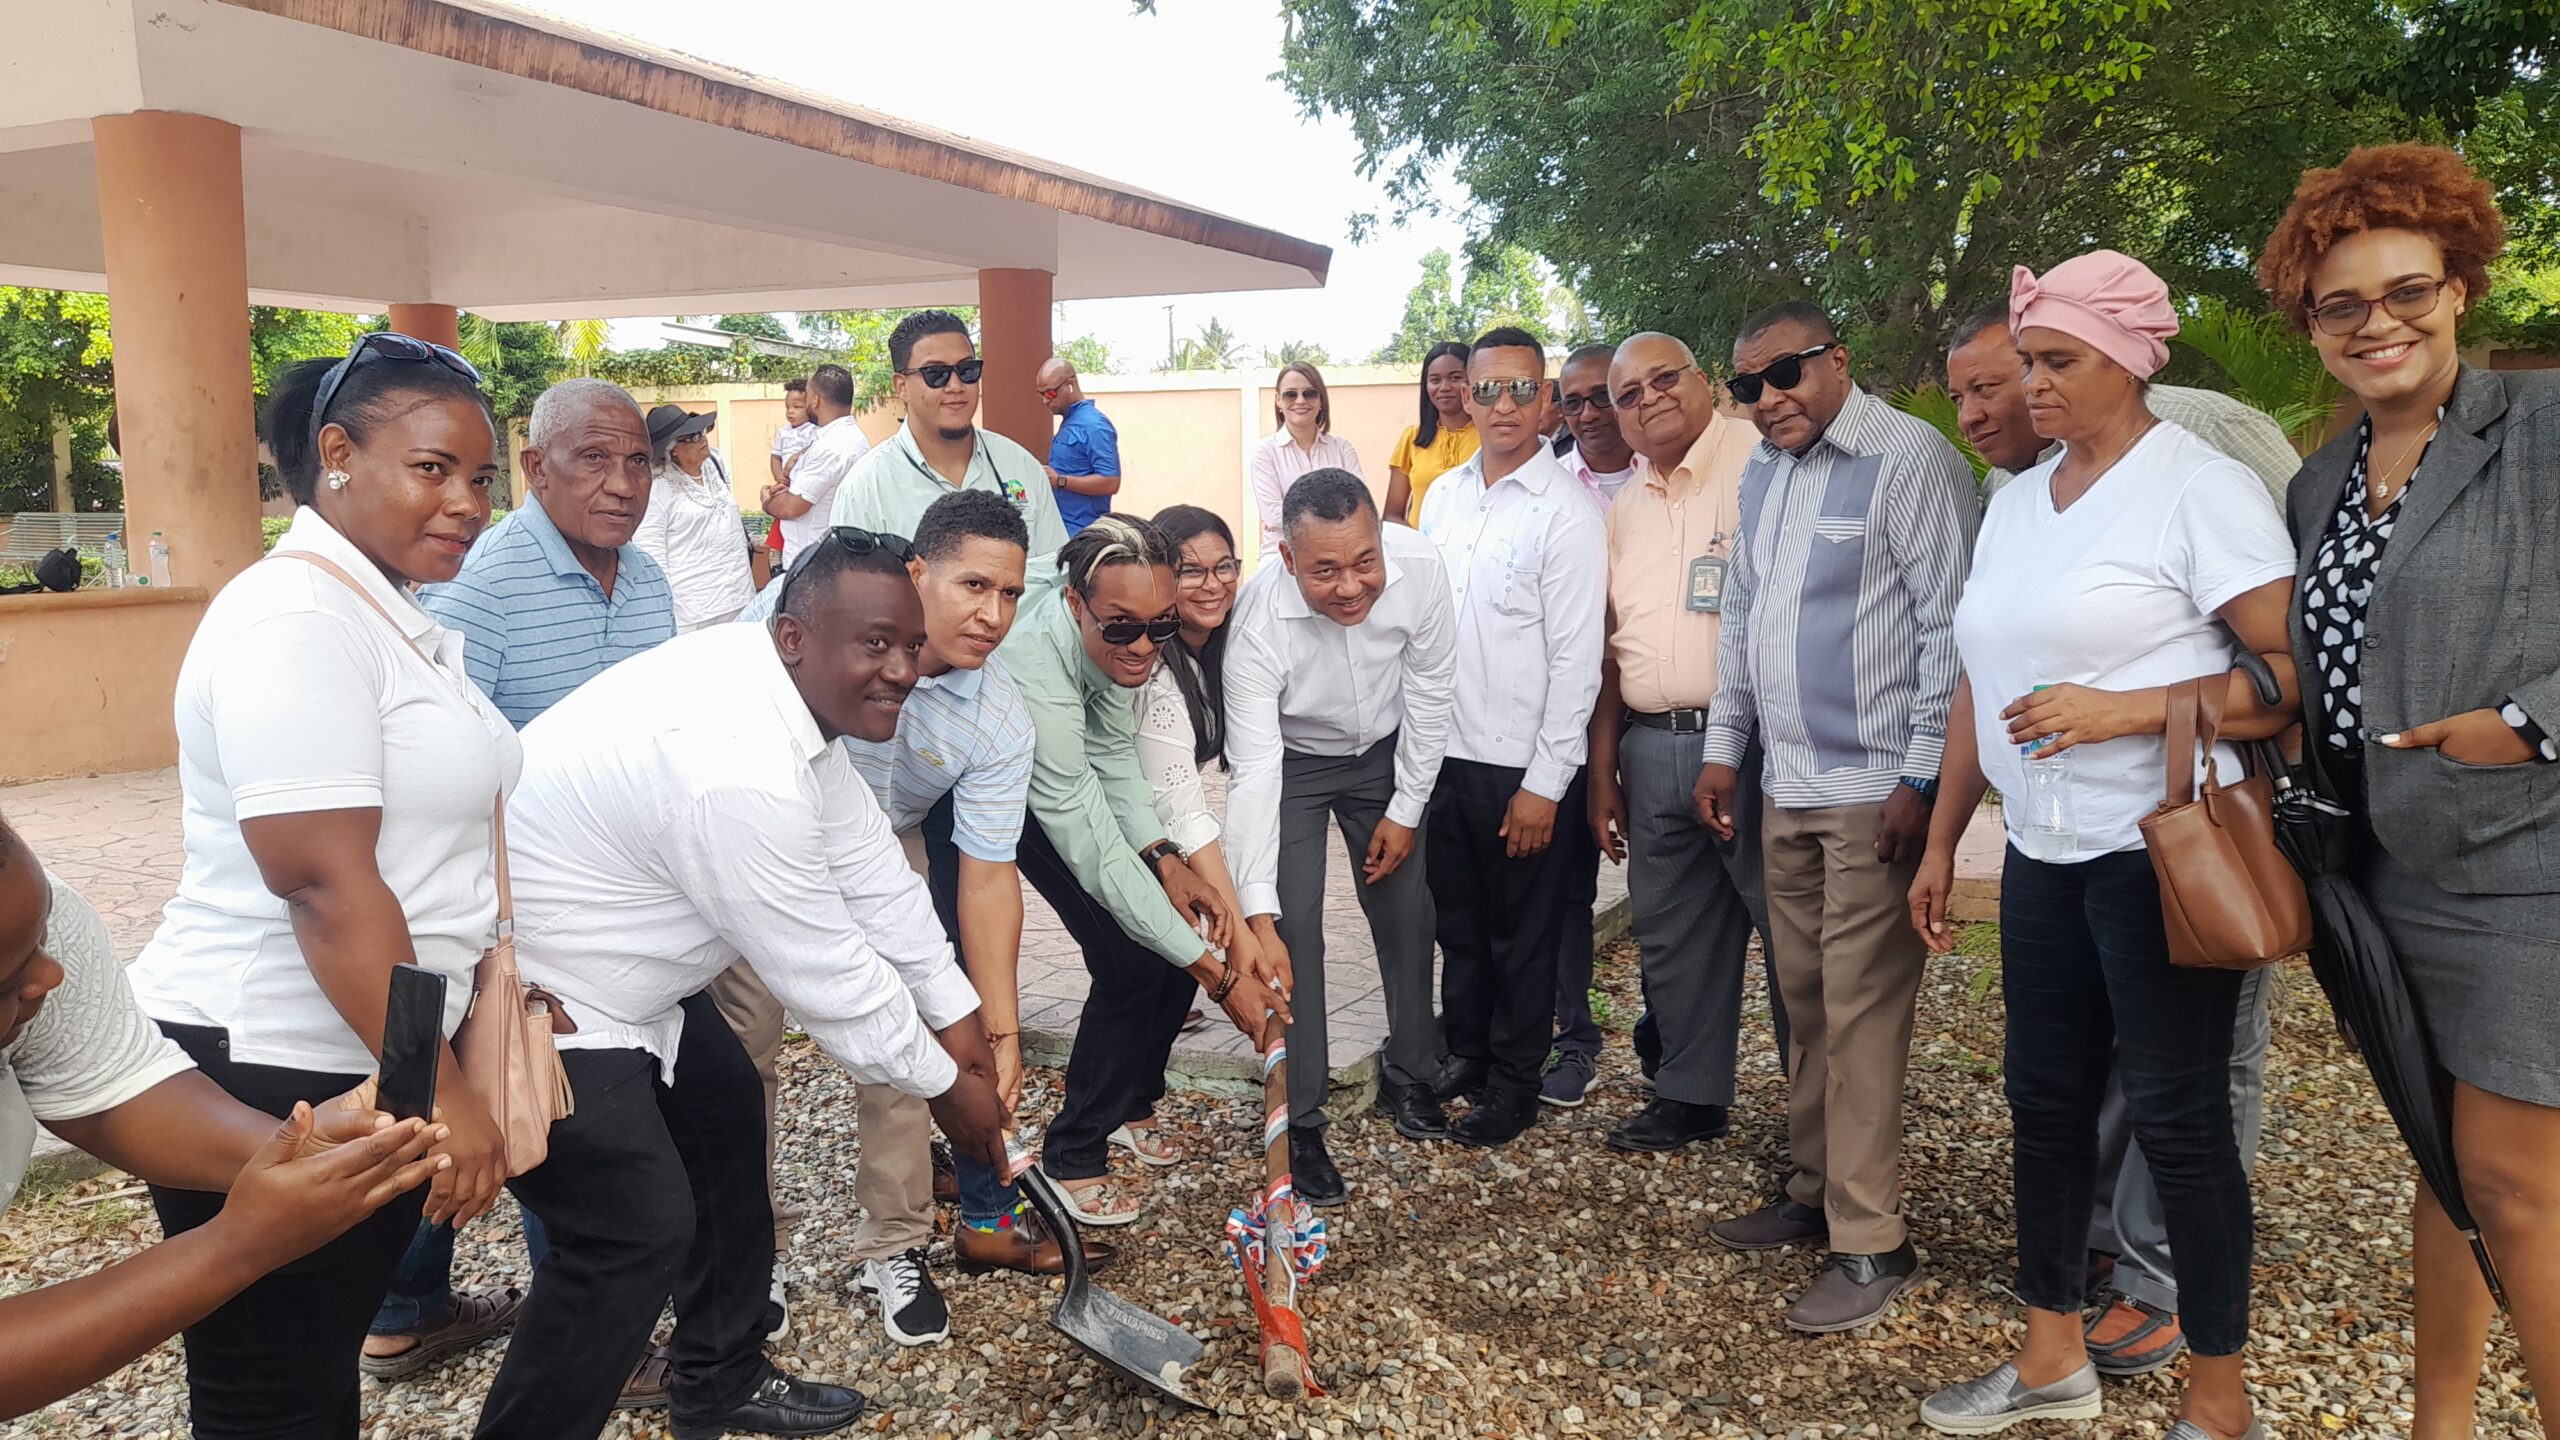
(1928,788)
(1156,854)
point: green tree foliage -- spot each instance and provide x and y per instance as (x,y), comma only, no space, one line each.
(1431,314)
(1296,352)
(1214,348)
(763,327)
(1089,355)
(859,341)
(1505,285)
(55,360)
(2263,362)
(279,338)
(1684,162)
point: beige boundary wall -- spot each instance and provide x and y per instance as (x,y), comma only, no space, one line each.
(1184,436)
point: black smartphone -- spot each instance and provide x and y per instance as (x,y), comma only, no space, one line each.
(412,1037)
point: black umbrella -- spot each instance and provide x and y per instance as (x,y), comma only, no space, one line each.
(2352,959)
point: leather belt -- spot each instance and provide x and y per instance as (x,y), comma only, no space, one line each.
(1678,722)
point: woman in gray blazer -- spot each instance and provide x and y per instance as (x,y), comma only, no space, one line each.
(2429,647)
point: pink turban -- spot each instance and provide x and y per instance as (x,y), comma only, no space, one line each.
(2111,302)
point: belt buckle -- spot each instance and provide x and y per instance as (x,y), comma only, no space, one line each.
(1688,722)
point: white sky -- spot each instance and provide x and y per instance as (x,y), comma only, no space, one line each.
(1182,102)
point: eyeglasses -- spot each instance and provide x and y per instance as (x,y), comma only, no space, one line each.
(937,376)
(1047,392)
(854,539)
(1126,632)
(1294,396)
(381,345)
(1785,374)
(2346,315)
(1522,392)
(1572,404)
(1192,577)
(1662,383)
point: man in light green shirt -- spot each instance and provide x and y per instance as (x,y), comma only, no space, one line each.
(940,448)
(1092,846)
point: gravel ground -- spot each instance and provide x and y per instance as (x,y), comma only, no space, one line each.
(1552,1288)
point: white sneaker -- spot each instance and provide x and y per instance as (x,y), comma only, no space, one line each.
(911,1309)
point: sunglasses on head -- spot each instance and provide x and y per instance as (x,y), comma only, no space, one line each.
(854,539)
(1522,392)
(1126,632)
(1785,374)
(936,376)
(381,345)
(1663,383)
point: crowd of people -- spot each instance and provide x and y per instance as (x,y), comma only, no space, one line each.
(1759,638)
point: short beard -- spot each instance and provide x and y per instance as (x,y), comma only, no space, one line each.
(963,433)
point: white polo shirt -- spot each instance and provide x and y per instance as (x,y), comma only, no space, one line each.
(296,697)
(681,810)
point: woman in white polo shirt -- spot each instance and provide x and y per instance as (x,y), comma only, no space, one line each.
(338,773)
(2102,577)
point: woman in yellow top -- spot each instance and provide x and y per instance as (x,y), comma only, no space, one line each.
(1444,440)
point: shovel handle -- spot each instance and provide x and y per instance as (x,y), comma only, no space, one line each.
(1284,1368)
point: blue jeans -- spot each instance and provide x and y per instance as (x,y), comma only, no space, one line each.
(2084,964)
(983,1196)
(421,1293)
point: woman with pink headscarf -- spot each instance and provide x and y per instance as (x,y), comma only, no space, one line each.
(2102,577)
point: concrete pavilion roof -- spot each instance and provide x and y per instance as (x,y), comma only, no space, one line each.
(471,153)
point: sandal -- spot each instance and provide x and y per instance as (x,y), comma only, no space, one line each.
(476,1315)
(1102,1204)
(1148,1144)
(2153,1343)
(647,1387)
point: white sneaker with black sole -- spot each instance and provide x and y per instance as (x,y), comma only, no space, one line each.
(911,1309)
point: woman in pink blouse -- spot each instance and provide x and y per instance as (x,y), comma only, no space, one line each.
(1303,441)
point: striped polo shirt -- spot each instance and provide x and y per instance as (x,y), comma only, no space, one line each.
(965,734)
(535,625)
(1839,611)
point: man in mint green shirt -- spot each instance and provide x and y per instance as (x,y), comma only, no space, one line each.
(940,448)
(1094,849)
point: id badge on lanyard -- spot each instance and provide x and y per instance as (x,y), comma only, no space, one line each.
(1706,578)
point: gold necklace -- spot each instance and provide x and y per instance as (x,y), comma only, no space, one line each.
(2380,482)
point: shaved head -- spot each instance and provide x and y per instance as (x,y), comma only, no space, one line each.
(1056,382)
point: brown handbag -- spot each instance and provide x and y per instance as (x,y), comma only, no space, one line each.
(506,1040)
(2231,899)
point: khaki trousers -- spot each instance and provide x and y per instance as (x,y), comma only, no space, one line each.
(1849,967)
(756,1016)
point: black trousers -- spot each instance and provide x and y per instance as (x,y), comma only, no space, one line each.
(1115,1071)
(650,1189)
(278,1362)
(1498,921)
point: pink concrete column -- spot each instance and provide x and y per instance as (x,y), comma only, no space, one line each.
(436,324)
(1013,337)
(169,208)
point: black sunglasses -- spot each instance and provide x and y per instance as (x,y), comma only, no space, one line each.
(1573,404)
(381,345)
(1126,632)
(1663,383)
(1786,374)
(853,538)
(937,375)
(1301,394)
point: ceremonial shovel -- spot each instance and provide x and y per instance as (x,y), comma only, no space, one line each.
(1147,1348)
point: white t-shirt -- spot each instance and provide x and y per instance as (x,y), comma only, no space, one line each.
(295,697)
(790,440)
(693,530)
(822,468)
(88,1051)
(2116,593)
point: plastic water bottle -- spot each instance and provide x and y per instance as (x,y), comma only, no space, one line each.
(2048,797)
(113,561)
(159,560)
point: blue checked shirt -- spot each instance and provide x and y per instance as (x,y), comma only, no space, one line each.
(965,734)
(1839,613)
(535,625)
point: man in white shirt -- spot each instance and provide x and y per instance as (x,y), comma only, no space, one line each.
(801,501)
(1528,567)
(685,807)
(1339,672)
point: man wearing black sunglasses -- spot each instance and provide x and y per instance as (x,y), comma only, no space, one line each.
(941,447)
(1856,527)
(1528,571)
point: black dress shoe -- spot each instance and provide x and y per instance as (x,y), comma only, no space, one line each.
(779,1405)
(1311,1170)
(1460,1076)
(1497,1119)
(1417,1114)
(1667,1125)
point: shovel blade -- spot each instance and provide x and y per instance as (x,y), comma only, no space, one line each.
(1145,1347)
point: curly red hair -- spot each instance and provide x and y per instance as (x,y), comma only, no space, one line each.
(2425,188)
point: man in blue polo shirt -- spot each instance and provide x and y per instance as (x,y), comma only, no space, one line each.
(548,599)
(1084,459)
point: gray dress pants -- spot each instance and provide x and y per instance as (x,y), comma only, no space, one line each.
(1352,792)
(1694,901)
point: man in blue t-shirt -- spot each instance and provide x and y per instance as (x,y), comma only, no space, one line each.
(1084,459)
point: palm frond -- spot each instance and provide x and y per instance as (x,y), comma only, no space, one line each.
(1939,408)
(2268,366)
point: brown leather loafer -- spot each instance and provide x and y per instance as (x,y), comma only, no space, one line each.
(1025,1245)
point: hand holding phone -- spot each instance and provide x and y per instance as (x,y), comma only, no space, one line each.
(412,1039)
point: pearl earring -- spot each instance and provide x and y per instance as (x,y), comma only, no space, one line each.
(337,479)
